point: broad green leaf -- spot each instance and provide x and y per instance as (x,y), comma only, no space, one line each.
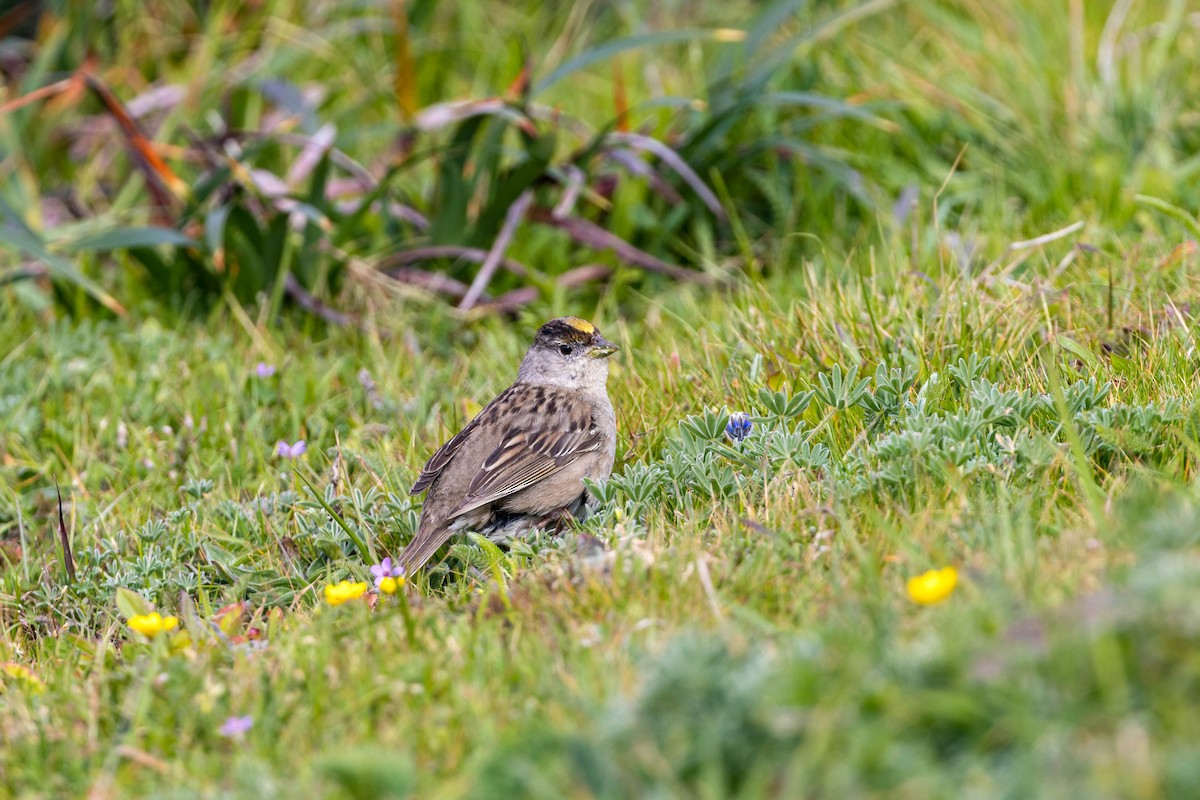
(16,235)
(125,238)
(837,108)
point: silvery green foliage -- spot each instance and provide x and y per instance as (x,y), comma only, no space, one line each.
(968,428)
(197,488)
(1008,434)
(1005,409)
(701,464)
(841,391)
(969,370)
(1132,430)
(778,406)
(892,385)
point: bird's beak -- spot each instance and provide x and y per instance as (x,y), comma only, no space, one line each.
(603,348)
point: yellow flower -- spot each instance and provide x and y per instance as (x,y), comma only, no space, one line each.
(933,587)
(152,624)
(21,676)
(338,593)
(390,585)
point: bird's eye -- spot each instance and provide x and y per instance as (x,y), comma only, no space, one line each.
(565,349)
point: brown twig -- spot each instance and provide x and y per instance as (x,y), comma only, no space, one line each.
(312,305)
(164,185)
(592,235)
(511,301)
(39,94)
(636,166)
(672,159)
(443,284)
(516,212)
(429,281)
(10,20)
(389,263)
(585,274)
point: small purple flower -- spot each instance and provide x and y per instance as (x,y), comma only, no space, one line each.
(264,370)
(386,569)
(739,426)
(236,727)
(285,450)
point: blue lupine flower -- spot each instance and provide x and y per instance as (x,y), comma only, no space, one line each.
(739,426)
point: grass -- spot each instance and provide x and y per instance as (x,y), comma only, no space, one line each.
(954,384)
(731,643)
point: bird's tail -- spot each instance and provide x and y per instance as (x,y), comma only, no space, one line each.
(431,535)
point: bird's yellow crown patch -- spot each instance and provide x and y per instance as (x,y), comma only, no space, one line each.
(567,330)
(581,325)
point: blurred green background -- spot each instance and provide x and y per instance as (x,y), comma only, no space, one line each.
(181,153)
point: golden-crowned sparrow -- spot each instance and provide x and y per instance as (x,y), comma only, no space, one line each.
(521,462)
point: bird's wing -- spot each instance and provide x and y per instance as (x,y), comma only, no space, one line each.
(522,459)
(445,454)
(438,461)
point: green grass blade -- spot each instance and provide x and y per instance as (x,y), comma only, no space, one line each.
(125,238)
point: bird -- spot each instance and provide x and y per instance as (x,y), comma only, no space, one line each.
(520,463)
